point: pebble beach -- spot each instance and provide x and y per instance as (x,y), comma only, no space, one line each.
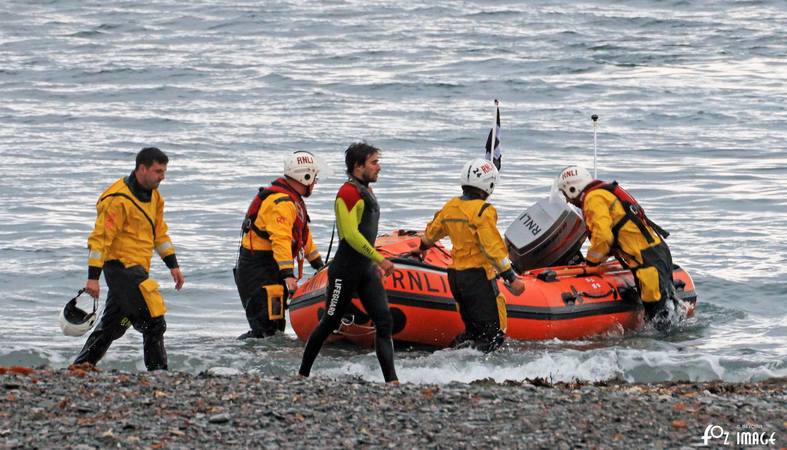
(86,409)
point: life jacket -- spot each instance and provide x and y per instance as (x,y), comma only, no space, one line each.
(631,207)
(300,228)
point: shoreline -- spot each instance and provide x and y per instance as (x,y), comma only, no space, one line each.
(97,409)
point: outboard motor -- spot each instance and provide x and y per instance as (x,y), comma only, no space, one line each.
(549,233)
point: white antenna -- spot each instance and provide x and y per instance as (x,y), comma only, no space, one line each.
(595,167)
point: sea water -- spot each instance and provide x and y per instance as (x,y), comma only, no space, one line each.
(691,98)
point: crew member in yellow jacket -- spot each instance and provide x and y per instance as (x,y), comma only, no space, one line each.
(479,254)
(276,236)
(618,227)
(129,226)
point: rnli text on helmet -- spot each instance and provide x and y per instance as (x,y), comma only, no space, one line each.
(569,173)
(482,170)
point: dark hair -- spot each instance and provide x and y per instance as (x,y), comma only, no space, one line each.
(357,154)
(474,192)
(148,155)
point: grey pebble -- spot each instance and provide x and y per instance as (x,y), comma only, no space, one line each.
(219,418)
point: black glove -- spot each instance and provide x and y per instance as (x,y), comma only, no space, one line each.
(509,276)
(417,254)
(317,263)
(286,273)
(591,263)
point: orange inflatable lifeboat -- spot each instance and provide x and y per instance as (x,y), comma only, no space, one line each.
(561,299)
(563,302)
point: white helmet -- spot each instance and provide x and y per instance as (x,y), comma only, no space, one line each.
(480,173)
(302,167)
(74,321)
(573,180)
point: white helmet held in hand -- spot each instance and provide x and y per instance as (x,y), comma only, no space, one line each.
(481,174)
(302,167)
(573,180)
(74,321)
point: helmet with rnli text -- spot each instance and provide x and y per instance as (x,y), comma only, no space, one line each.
(74,321)
(573,180)
(302,167)
(481,174)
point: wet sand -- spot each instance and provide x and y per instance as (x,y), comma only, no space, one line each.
(85,409)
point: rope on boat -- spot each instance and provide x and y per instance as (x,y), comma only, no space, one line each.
(350,322)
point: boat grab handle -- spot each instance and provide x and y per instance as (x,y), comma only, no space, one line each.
(345,322)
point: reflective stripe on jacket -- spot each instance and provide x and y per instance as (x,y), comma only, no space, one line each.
(128,229)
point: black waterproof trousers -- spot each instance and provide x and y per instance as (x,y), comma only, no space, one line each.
(478,306)
(257,269)
(658,256)
(125,307)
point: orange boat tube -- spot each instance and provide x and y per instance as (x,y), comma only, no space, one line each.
(568,302)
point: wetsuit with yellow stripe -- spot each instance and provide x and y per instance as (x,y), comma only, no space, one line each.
(277,235)
(354,272)
(637,246)
(129,226)
(479,254)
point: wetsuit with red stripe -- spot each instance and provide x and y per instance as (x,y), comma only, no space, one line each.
(353,272)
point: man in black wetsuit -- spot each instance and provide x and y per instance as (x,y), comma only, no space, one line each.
(357,267)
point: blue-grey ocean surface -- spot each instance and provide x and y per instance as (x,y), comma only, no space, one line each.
(692,99)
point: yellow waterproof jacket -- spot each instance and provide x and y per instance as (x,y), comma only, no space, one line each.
(602,211)
(471,224)
(128,229)
(276,217)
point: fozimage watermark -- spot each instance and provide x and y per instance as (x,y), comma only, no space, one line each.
(748,435)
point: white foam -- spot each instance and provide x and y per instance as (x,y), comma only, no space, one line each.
(629,364)
(224,371)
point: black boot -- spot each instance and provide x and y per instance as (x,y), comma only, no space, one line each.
(463,340)
(488,344)
(153,343)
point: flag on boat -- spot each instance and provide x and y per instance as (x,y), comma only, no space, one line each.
(494,154)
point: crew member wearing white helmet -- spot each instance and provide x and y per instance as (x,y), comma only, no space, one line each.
(276,235)
(479,254)
(618,227)
(129,225)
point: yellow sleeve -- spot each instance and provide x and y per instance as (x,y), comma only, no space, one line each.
(309,249)
(435,229)
(163,243)
(277,218)
(492,244)
(110,217)
(599,223)
(347,222)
